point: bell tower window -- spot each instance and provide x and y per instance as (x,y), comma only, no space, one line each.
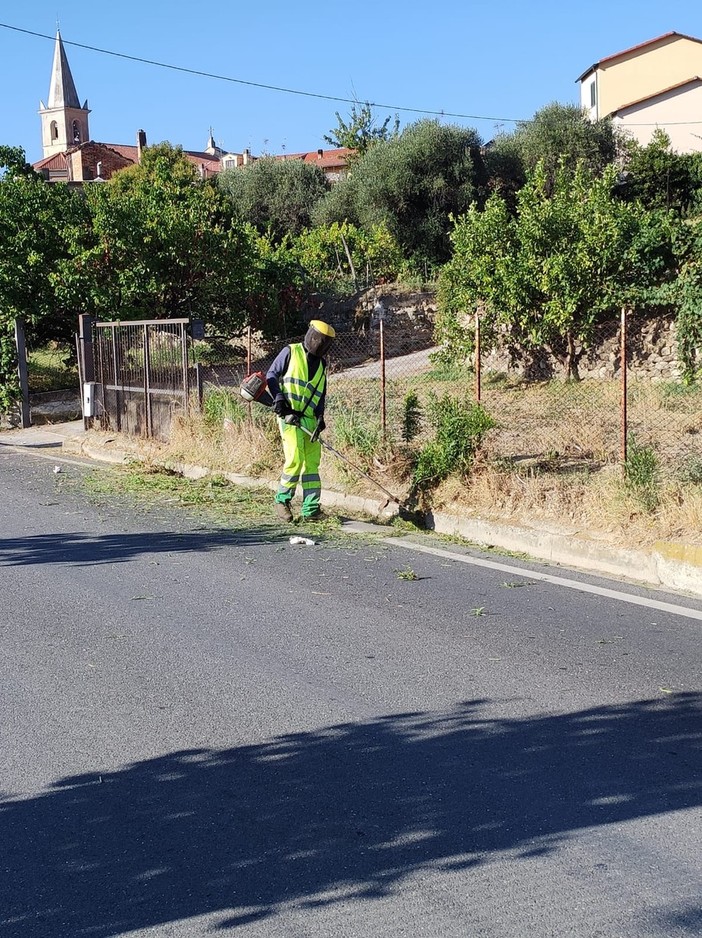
(54,130)
(76,132)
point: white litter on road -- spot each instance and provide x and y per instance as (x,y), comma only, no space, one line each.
(302,541)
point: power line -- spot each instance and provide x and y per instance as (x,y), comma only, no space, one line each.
(311,94)
(257,84)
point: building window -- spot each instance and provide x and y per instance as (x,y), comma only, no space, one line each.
(593,94)
(76,132)
(54,130)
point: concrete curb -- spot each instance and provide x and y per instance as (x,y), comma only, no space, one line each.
(669,565)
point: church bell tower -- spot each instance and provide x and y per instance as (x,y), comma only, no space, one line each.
(64,123)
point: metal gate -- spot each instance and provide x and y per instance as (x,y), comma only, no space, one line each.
(143,371)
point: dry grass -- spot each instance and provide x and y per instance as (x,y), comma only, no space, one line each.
(571,498)
(551,461)
(246,447)
(594,503)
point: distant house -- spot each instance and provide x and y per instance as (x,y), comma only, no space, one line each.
(657,84)
(70,155)
(333,163)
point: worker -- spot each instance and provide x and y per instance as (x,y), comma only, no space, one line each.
(297,381)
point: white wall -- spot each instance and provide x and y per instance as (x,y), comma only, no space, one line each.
(669,112)
(586,96)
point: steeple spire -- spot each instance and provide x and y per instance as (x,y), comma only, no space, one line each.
(64,123)
(62,90)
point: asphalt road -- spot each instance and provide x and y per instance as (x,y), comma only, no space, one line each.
(205,732)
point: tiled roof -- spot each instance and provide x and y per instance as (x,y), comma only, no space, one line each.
(637,48)
(658,94)
(325,160)
(328,159)
(125,150)
(57,161)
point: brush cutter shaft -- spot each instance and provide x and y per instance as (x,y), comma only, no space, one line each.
(356,468)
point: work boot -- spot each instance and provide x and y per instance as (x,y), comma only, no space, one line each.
(282,510)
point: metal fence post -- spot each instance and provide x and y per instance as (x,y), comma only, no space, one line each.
(478,389)
(198,384)
(184,363)
(623,366)
(87,355)
(383,397)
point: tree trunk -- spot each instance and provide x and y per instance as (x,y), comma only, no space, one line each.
(571,360)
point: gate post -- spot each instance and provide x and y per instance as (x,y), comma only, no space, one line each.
(22,373)
(184,363)
(87,356)
(147,382)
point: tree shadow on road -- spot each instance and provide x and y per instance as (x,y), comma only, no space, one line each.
(341,814)
(90,549)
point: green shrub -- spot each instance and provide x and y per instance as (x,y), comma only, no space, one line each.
(690,469)
(9,380)
(411,417)
(641,474)
(459,430)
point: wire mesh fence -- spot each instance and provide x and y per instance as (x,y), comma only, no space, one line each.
(378,380)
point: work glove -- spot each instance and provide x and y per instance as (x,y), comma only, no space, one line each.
(292,419)
(320,428)
(281,408)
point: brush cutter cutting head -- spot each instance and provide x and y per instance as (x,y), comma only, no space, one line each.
(254,387)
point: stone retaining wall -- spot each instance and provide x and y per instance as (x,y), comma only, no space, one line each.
(651,342)
(651,353)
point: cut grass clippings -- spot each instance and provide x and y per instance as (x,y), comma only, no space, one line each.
(213,498)
(213,495)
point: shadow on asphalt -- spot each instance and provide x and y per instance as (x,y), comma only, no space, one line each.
(91,550)
(344,813)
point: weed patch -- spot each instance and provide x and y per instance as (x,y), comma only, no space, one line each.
(459,430)
(641,474)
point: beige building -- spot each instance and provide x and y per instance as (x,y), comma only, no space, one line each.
(657,84)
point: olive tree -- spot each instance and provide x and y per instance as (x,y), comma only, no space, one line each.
(412,184)
(275,196)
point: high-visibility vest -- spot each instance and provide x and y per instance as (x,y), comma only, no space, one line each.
(302,393)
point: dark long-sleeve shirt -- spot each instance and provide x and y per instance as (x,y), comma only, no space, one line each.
(280,366)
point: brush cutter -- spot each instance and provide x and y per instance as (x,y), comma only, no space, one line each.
(254,388)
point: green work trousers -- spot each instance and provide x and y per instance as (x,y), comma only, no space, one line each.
(302,458)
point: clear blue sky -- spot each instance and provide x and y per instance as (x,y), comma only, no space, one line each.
(494,60)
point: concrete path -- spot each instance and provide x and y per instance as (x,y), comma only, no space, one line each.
(402,366)
(42,437)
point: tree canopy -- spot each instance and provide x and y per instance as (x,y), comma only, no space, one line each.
(360,132)
(572,255)
(659,177)
(412,184)
(275,196)
(161,243)
(563,134)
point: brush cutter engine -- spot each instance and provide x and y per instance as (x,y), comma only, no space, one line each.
(254,387)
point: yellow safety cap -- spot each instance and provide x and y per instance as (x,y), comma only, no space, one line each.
(323,327)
